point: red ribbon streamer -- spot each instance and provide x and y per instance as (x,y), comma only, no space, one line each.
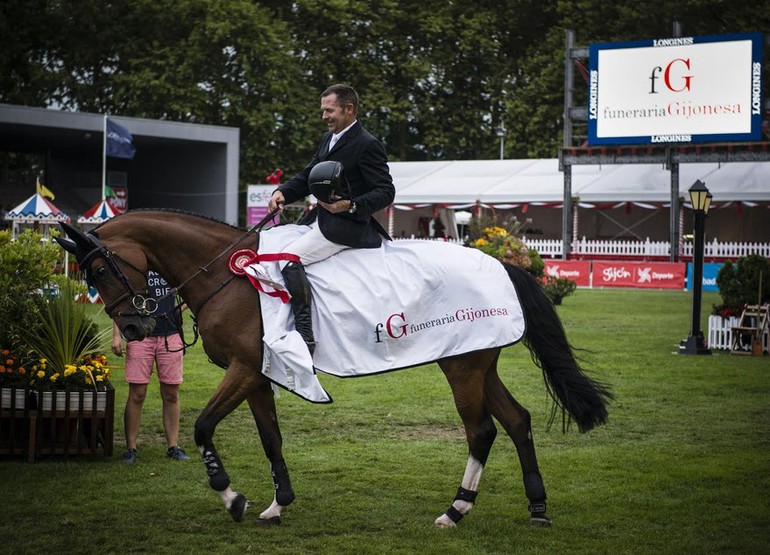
(283,295)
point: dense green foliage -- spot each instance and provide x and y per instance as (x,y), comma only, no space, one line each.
(681,467)
(739,283)
(66,332)
(26,270)
(437,77)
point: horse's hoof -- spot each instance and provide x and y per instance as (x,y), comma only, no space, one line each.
(238,507)
(272,521)
(444,522)
(540,521)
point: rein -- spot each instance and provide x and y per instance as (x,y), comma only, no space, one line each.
(147,306)
(203,269)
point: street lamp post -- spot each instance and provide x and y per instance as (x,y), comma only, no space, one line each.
(500,131)
(701,201)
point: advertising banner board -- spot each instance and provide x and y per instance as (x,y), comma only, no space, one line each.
(676,90)
(578,271)
(647,275)
(710,271)
(257,197)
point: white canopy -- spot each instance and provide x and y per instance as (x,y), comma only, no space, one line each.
(463,183)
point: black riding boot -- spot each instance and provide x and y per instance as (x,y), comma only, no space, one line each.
(298,286)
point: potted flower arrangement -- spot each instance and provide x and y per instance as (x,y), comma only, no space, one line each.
(502,243)
(51,351)
(74,386)
(14,381)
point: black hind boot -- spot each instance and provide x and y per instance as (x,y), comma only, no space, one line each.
(299,288)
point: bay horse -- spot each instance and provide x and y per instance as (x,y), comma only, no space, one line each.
(191,252)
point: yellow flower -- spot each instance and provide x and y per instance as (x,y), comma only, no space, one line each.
(69,370)
(99,378)
(40,374)
(54,377)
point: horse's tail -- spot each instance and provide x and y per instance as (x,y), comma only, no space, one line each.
(584,399)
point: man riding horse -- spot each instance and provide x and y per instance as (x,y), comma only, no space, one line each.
(349,176)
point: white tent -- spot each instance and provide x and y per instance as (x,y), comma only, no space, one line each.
(462,183)
(533,187)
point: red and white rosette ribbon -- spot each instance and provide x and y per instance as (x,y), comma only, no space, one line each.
(246,262)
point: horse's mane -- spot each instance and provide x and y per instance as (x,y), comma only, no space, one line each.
(172,211)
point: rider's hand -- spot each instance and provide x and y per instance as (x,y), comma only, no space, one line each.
(339,205)
(277,201)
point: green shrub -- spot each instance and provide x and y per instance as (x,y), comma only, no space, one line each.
(558,288)
(27,279)
(739,284)
(67,333)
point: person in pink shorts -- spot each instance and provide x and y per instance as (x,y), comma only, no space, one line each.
(163,349)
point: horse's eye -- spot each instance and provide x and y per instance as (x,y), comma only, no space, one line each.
(99,272)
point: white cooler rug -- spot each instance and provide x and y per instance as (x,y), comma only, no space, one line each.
(404,304)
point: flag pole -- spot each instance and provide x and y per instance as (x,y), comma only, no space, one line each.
(104,160)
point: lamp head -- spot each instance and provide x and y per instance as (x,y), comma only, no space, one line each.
(700,197)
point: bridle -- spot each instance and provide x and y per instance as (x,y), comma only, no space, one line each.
(141,303)
(144,305)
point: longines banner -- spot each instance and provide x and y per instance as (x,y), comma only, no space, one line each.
(676,90)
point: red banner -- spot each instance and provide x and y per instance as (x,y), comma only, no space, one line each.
(578,271)
(648,275)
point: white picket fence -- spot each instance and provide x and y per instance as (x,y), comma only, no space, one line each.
(720,333)
(552,248)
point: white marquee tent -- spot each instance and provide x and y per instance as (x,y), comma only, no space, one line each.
(429,189)
(495,182)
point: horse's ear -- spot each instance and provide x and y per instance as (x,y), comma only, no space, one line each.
(77,242)
(67,244)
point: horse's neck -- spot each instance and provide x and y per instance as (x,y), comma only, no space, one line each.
(190,257)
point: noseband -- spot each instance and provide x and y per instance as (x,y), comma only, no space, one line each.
(143,305)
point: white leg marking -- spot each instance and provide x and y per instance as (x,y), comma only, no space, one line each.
(471,479)
(228,496)
(444,522)
(472,475)
(274,510)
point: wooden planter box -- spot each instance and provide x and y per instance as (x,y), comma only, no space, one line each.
(39,423)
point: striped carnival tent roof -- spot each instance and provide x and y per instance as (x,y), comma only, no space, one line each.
(99,213)
(37,209)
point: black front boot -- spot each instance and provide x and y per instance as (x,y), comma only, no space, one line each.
(298,286)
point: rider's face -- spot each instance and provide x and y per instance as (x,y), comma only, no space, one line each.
(336,117)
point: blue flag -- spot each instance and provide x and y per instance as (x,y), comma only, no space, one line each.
(119,141)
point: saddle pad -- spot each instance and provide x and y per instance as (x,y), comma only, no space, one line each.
(404,304)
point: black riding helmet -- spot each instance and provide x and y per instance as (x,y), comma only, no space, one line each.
(327,180)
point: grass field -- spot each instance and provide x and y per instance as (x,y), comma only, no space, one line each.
(682,467)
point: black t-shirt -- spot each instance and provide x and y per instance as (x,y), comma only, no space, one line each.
(167,320)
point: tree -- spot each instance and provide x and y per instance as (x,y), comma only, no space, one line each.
(436,77)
